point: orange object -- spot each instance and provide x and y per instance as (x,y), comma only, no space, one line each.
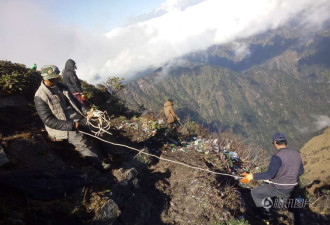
(247,177)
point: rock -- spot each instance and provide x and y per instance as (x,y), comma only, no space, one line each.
(108,213)
(143,159)
(136,208)
(131,174)
(3,157)
(215,146)
(13,101)
(34,153)
(135,183)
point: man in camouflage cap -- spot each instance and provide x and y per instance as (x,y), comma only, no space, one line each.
(60,113)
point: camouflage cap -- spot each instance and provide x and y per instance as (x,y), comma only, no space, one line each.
(49,72)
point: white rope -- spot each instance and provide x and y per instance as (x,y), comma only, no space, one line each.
(162,158)
(104,124)
(271,182)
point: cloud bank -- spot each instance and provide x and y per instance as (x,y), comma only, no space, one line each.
(320,122)
(29,34)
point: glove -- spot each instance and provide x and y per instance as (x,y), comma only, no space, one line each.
(247,177)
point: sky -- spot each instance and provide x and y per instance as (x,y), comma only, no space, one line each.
(118,38)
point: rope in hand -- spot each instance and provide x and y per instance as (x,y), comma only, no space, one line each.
(104,124)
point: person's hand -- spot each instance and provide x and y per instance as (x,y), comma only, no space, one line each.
(89,114)
(178,119)
(247,177)
(76,125)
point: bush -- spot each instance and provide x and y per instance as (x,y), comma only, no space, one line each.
(101,98)
(241,221)
(16,79)
(191,129)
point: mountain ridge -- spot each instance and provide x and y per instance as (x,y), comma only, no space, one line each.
(283,87)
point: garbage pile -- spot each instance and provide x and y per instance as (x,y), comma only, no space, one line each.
(140,128)
(213,154)
(218,157)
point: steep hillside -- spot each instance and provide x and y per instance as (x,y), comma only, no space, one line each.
(47,182)
(316,159)
(316,156)
(280,82)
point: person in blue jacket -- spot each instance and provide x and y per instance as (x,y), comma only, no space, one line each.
(284,170)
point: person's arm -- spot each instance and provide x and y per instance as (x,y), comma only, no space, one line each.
(49,119)
(81,107)
(274,166)
(301,170)
(75,82)
(173,113)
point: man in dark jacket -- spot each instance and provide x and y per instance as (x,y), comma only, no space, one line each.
(284,169)
(60,113)
(71,80)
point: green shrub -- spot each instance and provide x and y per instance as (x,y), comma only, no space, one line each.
(192,129)
(101,98)
(16,79)
(241,221)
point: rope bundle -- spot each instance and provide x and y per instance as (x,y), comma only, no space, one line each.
(102,120)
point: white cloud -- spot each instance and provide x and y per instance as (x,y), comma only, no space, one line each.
(241,50)
(322,122)
(29,35)
(204,24)
(171,5)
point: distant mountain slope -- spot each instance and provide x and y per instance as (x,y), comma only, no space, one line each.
(281,82)
(316,157)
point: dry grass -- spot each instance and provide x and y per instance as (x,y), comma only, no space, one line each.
(25,135)
(252,153)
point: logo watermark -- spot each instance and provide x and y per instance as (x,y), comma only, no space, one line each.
(267,203)
(280,203)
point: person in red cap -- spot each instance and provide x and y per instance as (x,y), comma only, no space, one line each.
(284,170)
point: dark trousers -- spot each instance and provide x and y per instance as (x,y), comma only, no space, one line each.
(174,126)
(85,149)
(268,190)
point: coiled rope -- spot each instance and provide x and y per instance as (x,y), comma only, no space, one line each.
(104,124)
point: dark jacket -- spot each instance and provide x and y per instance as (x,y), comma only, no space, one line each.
(284,168)
(70,77)
(51,110)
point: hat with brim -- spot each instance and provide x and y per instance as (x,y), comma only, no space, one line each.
(50,72)
(279,137)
